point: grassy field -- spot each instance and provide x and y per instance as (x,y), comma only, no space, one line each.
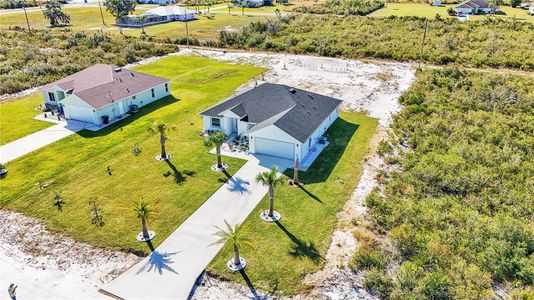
(428,11)
(284,252)
(77,166)
(89,19)
(16,118)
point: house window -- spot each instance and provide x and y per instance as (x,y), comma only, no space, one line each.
(216,122)
(153,94)
(166,88)
(52,96)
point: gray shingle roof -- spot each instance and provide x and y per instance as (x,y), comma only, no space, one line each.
(297,112)
(101,84)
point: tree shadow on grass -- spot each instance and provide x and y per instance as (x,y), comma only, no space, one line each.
(143,111)
(339,136)
(310,193)
(179,176)
(300,248)
(249,284)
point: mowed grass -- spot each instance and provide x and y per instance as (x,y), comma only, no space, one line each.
(16,118)
(284,252)
(77,166)
(428,11)
(88,19)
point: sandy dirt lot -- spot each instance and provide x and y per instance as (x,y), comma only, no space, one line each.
(46,265)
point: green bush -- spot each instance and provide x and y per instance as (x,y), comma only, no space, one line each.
(367,258)
(343,7)
(378,283)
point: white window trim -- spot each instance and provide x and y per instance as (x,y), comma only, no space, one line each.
(213,125)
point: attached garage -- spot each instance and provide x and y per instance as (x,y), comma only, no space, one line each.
(274,148)
(79,113)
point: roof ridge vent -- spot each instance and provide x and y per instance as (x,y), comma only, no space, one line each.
(132,74)
(292,90)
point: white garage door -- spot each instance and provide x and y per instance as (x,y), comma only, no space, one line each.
(274,148)
(79,113)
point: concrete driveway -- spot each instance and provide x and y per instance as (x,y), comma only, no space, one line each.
(172,269)
(34,141)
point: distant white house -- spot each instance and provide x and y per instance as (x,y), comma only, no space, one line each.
(277,120)
(253,3)
(103,93)
(474,7)
(436,3)
(160,14)
(160,2)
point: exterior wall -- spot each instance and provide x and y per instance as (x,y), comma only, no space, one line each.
(60,95)
(207,124)
(465,11)
(319,132)
(120,107)
(242,127)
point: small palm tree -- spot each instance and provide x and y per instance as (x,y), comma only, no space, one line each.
(217,139)
(162,129)
(143,211)
(236,236)
(296,172)
(270,179)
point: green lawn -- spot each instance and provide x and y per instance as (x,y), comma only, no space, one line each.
(89,19)
(283,253)
(428,11)
(76,166)
(16,118)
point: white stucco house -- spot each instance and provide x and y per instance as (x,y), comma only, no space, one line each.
(160,14)
(474,7)
(103,93)
(278,120)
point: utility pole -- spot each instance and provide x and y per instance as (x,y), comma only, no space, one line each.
(101,14)
(187,33)
(423,43)
(26,15)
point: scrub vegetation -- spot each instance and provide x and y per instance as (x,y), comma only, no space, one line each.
(98,169)
(343,7)
(27,61)
(285,251)
(460,207)
(485,43)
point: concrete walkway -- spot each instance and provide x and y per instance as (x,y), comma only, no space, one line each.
(172,269)
(34,141)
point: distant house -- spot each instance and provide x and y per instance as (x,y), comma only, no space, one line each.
(278,120)
(160,14)
(474,7)
(102,93)
(160,2)
(436,3)
(253,3)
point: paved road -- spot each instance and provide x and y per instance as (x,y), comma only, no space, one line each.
(34,141)
(172,269)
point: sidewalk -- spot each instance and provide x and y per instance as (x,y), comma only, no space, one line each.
(172,269)
(34,141)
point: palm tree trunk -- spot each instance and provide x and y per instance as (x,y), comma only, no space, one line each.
(271,201)
(163,152)
(237,261)
(219,157)
(296,172)
(145,229)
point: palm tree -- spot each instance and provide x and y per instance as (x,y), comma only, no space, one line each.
(296,172)
(236,236)
(270,179)
(163,129)
(143,211)
(217,139)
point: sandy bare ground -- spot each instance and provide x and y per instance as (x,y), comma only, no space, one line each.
(46,265)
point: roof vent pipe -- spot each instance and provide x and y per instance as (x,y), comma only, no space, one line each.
(292,90)
(118,69)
